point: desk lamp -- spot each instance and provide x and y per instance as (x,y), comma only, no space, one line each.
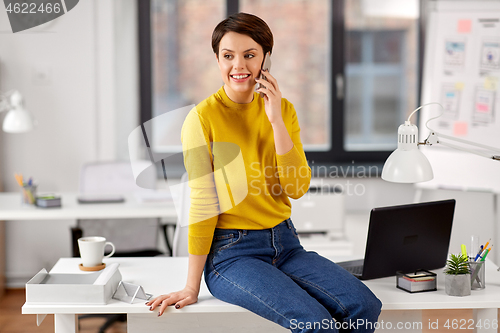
(407,164)
(17,120)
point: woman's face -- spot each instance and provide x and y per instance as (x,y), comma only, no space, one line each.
(240,59)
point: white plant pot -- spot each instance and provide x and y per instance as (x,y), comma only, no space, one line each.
(457,285)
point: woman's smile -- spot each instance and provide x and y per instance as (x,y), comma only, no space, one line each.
(240,77)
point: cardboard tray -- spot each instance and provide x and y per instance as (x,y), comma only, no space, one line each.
(83,288)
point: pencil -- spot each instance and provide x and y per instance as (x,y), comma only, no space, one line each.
(19,179)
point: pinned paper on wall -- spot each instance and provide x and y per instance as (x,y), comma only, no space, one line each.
(464,26)
(459,86)
(454,53)
(450,99)
(460,128)
(483,106)
(491,83)
(490,55)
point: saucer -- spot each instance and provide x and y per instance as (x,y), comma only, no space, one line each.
(92,269)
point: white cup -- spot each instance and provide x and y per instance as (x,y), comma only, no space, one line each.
(92,250)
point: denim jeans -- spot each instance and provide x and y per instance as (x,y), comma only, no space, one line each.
(269,273)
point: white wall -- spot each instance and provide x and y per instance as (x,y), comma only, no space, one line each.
(85,108)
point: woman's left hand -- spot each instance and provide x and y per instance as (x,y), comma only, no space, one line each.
(272,97)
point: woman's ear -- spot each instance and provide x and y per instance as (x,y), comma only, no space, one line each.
(217,58)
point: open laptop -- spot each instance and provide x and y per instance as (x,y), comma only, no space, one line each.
(405,238)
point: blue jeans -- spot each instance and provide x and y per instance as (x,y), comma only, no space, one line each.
(269,273)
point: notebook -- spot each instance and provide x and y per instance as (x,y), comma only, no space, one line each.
(405,238)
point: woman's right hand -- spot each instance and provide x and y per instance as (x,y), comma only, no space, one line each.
(180,298)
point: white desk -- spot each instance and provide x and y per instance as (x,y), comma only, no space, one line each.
(161,275)
(12,209)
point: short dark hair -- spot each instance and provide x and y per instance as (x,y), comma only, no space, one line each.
(246,24)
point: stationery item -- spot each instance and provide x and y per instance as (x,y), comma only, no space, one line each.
(92,250)
(420,280)
(464,252)
(129,292)
(474,245)
(486,245)
(478,255)
(48,201)
(19,179)
(29,194)
(73,288)
(485,254)
(478,273)
(481,255)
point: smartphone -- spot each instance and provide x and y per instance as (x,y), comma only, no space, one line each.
(266,65)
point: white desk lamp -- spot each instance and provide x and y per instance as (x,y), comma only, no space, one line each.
(407,164)
(17,120)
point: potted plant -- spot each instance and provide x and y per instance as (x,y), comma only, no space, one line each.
(457,276)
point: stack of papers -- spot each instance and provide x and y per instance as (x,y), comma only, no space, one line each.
(420,280)
(47,201)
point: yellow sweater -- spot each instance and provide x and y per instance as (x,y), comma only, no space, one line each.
(236,178)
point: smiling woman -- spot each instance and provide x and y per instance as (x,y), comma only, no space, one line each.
(248,248)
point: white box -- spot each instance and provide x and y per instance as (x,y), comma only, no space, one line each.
(84,288)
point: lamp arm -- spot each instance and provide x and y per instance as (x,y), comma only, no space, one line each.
(434,138)
(4,105)
(4,101)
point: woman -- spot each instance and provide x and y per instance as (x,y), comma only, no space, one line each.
(245,159)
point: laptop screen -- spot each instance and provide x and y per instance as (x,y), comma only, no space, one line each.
(408,237)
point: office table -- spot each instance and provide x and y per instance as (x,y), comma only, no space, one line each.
(161,275)
(12,209)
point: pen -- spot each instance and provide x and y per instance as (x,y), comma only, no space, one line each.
(487,251)
(479,253)
(464,251)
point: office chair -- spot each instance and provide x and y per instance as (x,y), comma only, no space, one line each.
(131,237)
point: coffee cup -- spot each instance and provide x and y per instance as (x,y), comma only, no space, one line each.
(92,250)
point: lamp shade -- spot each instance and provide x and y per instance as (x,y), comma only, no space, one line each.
(407,164)
(17,120)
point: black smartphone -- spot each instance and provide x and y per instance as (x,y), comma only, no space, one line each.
(266,65)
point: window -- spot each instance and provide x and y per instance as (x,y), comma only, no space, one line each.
(351,68)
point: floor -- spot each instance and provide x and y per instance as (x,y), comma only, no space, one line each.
(12,321)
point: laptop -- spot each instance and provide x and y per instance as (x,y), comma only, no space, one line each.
(405,238)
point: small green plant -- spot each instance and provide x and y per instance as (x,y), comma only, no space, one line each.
(457,264)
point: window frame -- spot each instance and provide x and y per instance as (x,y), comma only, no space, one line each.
(336,155)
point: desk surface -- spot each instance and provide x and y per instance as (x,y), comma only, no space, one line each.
(12,209)
(164,274)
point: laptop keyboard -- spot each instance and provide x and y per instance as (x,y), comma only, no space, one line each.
(354,270)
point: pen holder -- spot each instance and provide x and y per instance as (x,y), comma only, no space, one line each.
(477,271)
(29,194)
